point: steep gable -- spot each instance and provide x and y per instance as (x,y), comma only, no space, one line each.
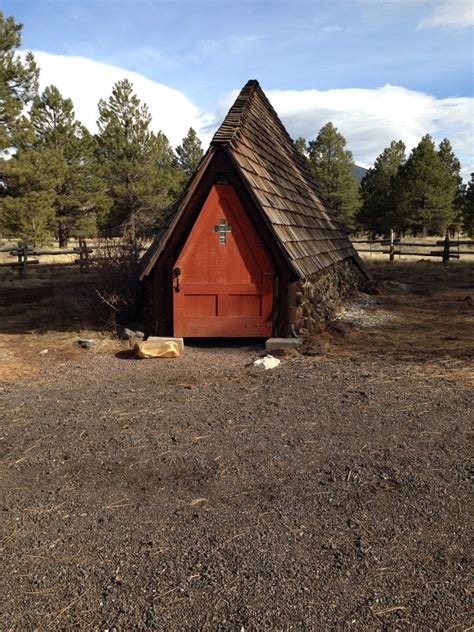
(280,181)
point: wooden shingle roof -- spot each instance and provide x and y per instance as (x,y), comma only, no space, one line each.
(280,182)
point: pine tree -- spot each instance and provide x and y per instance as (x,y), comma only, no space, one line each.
(18,83)
(57,168)
(140,169)
(29,195)
(80,192)
(301,146)
(170,177)
(378,211)
(425,190)
(449,158)
(190,153)
(333,168)
(468,208)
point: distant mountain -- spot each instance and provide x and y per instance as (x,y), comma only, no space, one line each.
(359,172)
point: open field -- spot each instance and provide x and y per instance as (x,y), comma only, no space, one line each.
(331,493)
(378,253)
(374,252)
(5,257)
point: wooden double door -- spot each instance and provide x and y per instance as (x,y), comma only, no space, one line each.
(223,278)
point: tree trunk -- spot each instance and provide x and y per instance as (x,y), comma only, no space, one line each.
(133,236)
(63,235)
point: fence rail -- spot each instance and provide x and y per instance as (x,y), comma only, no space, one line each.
(450,247)
(447,249)
(24,252)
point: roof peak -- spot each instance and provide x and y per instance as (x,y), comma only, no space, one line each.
(279,181)
(237,113)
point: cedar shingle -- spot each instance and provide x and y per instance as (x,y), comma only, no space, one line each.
(280,179)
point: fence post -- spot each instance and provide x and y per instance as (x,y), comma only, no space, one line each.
(446,248)
(22,251)
(86,255)
(24,268)
(392,245)
(20,257)
(80,255)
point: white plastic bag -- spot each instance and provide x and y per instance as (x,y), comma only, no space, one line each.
(267,362)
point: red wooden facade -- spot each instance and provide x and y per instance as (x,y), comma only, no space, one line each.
(223,278)
(250,225)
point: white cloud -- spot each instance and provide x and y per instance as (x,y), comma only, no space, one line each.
(86,81)
(450,14)
(370,119)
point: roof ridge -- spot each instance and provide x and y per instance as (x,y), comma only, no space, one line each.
(280,181)
(233,127)
(236,116)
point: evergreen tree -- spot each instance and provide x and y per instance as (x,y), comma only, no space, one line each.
(140,170)
(57,168)
(170,177)
(80,192)
(333,168)
(301,146)
(190,153)
(18,83)
(449,158)
(468,208)
(425,190)
(378,210)
(29,194)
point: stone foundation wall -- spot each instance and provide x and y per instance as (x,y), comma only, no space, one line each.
(320,297)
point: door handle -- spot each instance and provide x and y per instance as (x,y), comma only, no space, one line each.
(176,275)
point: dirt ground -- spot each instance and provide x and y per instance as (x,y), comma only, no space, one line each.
(199,493)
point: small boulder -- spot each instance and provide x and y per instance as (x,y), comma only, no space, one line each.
(159,348)
(274,344)
(130,334)
(86,343)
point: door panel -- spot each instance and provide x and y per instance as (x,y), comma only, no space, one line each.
(200,305)
(226,280)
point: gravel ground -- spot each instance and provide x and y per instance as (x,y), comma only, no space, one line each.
(330,493)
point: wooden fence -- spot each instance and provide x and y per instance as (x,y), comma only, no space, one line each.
(25,253)
(446,249)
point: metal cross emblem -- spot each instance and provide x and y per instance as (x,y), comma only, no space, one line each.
(223,228)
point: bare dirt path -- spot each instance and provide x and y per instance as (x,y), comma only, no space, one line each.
(328,494)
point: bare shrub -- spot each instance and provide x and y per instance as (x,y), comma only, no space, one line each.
(117,288)
(110,295)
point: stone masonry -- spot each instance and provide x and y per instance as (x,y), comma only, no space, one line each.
(319,297)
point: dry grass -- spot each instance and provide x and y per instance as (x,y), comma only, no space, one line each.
(6,257)
(378,255)
(25,355)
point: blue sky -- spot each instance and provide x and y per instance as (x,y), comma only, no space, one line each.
(206,49)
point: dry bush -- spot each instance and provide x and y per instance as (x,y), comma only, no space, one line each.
(111,294)
(117,287)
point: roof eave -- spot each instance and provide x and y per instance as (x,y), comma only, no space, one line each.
(192,185)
